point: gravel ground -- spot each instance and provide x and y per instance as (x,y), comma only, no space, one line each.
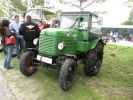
(5,92)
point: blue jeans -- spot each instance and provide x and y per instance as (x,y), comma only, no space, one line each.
(8,56)
(19,44)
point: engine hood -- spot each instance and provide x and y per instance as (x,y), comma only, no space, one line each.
(57,31)
(64,33)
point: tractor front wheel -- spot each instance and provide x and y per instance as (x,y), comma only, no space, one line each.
(27,64)
(67,73)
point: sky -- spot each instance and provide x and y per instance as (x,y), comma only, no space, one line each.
(116,10)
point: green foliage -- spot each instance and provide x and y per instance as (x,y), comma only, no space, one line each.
(1,9)
(1,13)
(130,0)
(130,19)
(39,2)
(128,23)
(61,1)
(19,5)
(99,1)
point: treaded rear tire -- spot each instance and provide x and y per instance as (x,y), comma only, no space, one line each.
(94,60)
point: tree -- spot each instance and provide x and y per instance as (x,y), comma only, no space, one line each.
(10,7)
(1,9)
(39,2)
(130,18)
(19,5)
(1,13)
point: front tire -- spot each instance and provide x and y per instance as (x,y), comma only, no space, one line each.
(27,64)
(94,60)
(67,73)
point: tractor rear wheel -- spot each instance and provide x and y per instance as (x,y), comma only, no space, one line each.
(27,64)
(93,60)
(67,73)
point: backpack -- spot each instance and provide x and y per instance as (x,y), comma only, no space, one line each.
(10,40)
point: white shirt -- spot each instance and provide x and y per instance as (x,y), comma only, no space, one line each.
(15,26)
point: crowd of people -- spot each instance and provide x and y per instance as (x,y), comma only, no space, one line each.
(18,35)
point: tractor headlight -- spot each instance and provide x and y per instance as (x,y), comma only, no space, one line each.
(61,46)
(35,41)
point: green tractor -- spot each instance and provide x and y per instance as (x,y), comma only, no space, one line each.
(65,46)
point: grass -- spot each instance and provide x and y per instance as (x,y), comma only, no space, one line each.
(114,82)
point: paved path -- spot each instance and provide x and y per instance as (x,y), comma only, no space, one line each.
(5,91)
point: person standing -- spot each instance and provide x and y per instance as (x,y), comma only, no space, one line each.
(9,41)
(29,31)
(14,27)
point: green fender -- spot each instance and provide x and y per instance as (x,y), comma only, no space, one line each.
(85,46)
(94,43)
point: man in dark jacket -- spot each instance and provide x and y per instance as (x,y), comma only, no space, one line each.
(29,31)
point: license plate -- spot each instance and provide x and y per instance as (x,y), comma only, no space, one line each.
(44,59)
